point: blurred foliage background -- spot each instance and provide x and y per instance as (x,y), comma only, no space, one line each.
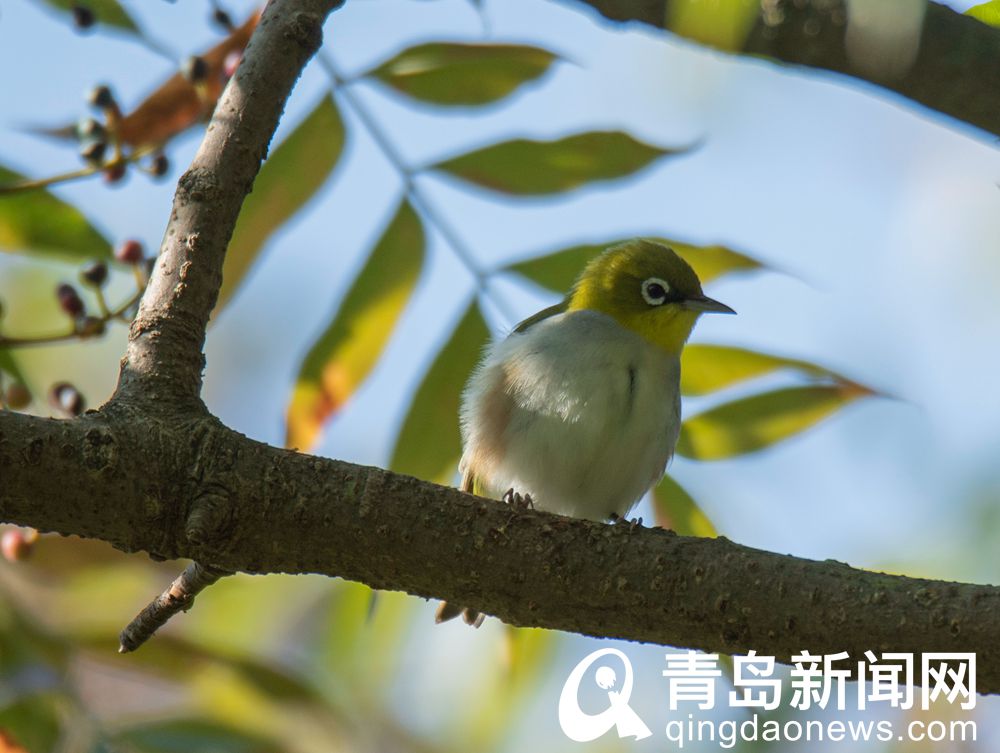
(445,169)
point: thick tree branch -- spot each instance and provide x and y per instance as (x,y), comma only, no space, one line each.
(955,70)
(164,360)
(196,489)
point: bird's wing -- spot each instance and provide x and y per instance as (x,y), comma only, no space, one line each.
(468,483)
(559,308)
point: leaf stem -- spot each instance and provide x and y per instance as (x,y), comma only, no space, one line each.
(408,176)
(107,315)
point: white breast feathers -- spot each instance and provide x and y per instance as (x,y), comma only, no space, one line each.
(577,411)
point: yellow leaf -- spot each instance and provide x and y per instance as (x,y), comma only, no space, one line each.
(348,349)
(756,422)
(708,368)
(723,24)
(676,509)
(289,178)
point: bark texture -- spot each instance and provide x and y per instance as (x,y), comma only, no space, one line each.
(180,487)
(152,470)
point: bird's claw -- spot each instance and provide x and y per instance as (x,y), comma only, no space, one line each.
(618,520)
(520,502)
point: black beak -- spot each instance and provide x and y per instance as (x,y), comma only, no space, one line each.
(705,305)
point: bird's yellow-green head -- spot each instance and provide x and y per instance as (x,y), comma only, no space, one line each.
(648,289)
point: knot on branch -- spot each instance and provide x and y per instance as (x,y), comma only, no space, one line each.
(100,449)
(306,30)
(210,518)
(198,185)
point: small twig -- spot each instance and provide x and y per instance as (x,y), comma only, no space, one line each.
(107,315)
(30,184)
(178,598)
(117,159)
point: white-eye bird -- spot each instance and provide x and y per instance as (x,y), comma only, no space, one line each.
(579,407)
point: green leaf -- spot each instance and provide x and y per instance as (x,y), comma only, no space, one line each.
(26,643)
(290,177)
(558,270)
(675,509)
(709,368)
(525,167)
(179,659)
(525,660)
(344,627)
(344,355)
(445,73)
(31,723)
(988,13)
(360,638)
(8,364)
(756,422)
(186,735)
(723,24)
(429,444)
(38,224)
(108,12)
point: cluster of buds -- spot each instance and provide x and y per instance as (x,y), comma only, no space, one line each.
(99,144)
(95,276)
(66,399)
(84,324)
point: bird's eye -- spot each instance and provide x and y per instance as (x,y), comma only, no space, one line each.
(655,290)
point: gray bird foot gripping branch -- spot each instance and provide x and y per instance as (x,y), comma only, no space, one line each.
(520,502)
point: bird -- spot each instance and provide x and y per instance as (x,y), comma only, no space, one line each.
(577,410)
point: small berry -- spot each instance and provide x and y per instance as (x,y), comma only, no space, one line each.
(231,62)
(223,19)
(129,251)
(159,166)
(17,396)
(93,152)
(69,300)
(67,398)
(88,129)
(94,274)
(101,96)
(83,16)
(15,545)
(114,173)
(194,69)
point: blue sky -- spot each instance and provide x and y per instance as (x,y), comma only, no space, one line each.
(882,215)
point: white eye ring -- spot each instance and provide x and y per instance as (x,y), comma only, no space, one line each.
(655,291)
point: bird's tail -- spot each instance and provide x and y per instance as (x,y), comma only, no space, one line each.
(448,611)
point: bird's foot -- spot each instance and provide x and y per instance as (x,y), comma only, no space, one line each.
(618,520)
(520,502)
